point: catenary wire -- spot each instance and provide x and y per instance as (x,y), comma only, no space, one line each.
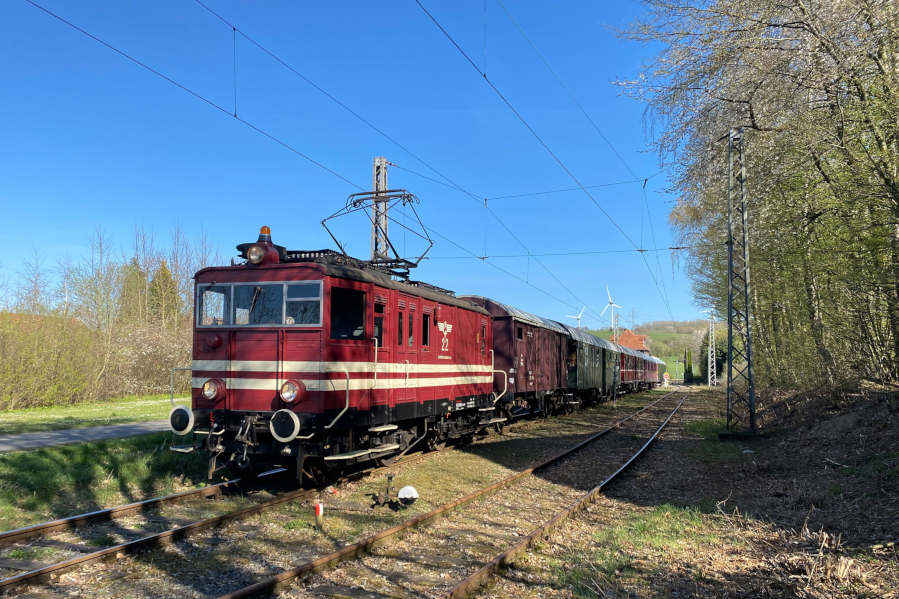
(193,93)
(673,248)
(322,90)
(333,98)
(546,147)
(259,130)
(580,107)
(567,90)
(278,140)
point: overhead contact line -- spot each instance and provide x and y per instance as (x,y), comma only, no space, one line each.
(449,182)
(540,140)
(193,93)
(247,123)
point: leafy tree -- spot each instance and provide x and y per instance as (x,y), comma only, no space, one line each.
(816,88)
(164,301)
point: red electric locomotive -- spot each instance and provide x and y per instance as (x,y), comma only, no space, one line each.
(314,361)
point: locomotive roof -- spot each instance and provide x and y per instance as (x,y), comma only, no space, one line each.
(521,315)
(343,271)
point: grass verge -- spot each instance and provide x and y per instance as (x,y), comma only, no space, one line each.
(55,482)
(113,411)
(664,529)
(711,448)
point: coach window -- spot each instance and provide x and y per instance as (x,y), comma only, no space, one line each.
(303,304)
(379,324)
(214,305)
(425,330)
(519,333)
(347,313)
(258,304)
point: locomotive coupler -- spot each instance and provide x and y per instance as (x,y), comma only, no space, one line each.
(246,434)
(214,440)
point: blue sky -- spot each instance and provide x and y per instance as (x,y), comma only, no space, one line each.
(91,140)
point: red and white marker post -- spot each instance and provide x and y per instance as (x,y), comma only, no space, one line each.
(320,516)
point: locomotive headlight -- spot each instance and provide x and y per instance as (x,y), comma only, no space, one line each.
(255,254)
(211,389)
(292,390)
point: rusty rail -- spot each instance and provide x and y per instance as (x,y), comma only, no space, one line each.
(471,584)
(46,573)
(350,551)
(17,535)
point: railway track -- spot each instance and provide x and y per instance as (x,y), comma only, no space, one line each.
(175,528)
(412,559)
(79,554)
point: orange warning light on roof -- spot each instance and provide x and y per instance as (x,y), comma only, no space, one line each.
(265,230)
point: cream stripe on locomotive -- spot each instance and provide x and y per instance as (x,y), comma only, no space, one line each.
(289,366)
(341,384)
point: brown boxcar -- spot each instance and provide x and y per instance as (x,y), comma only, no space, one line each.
(532,350)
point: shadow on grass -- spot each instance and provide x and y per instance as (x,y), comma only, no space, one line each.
(55,482)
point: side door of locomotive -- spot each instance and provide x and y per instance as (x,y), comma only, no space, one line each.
(408,310)
(383,351)
(427,355)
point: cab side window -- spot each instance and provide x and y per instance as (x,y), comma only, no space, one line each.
(379,324)
(425,330)
(347,313)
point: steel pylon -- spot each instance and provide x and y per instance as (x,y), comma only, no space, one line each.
(740,383)
(712,365)
(380,245)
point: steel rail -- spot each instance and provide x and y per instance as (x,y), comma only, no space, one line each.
(155,540)
(45,573)
(17,535)
(476,580)
(360,547)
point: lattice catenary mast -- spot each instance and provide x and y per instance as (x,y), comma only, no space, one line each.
(380,250)
(712,368)
(740,384)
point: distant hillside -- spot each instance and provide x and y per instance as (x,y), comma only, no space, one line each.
(668,339)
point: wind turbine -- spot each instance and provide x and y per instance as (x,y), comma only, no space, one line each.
(578,317)
(611,305)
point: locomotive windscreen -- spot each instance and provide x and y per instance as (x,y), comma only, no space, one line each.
(258,304)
